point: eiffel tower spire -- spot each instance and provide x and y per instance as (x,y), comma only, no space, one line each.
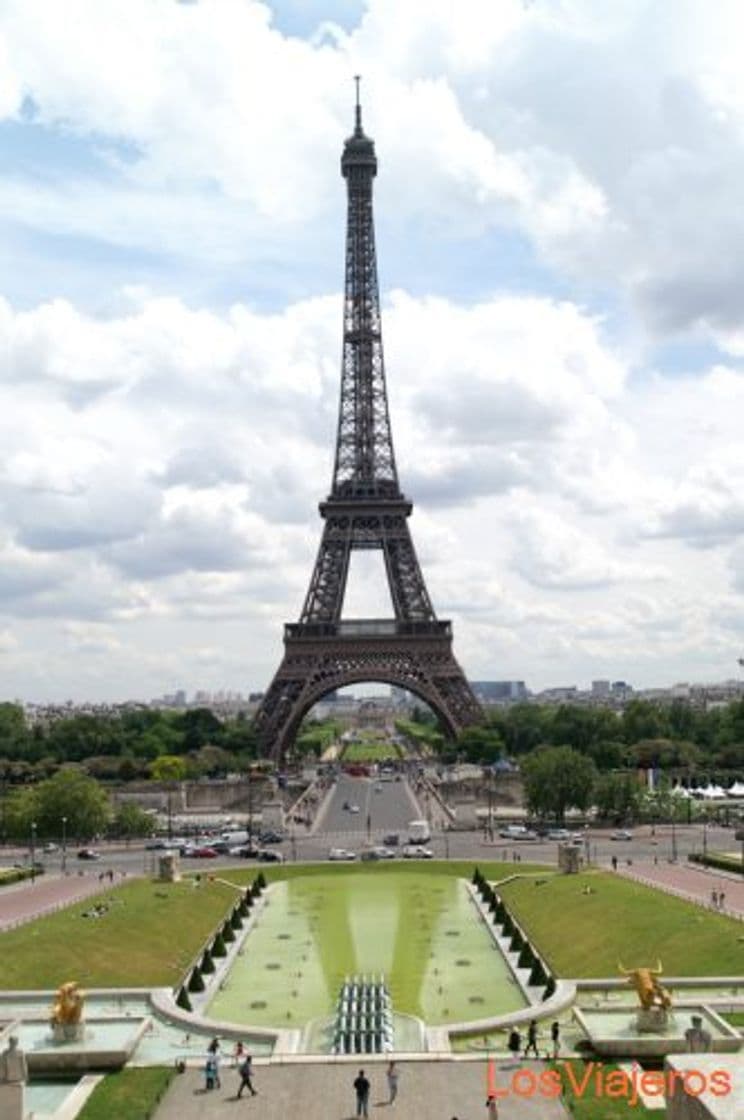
(364,510)
(365,461)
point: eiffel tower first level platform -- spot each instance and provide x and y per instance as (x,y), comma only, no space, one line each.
(365,509)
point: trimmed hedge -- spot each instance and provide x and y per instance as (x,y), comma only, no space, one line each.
(207,964)
(196,983)
(719,862)
(183,1000)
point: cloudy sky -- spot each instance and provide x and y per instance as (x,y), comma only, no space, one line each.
(561,244)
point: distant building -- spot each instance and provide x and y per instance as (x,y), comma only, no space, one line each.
(600,689)
(494,692)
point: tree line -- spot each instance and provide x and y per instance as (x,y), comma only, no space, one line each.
(124,745)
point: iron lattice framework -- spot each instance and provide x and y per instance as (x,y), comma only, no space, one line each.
(364,510)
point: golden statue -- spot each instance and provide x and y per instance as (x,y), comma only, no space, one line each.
(67,1009)
(650,992)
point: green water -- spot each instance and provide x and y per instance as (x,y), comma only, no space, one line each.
(421,931)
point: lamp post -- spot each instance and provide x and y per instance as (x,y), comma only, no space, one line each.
(705,839)
(674,839)
(33,851)
(64,845)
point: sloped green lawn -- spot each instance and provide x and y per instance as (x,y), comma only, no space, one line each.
(586,935)
(148,936)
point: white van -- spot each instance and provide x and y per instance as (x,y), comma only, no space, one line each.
(419,832)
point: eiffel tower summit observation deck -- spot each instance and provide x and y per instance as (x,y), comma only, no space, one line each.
(365,509)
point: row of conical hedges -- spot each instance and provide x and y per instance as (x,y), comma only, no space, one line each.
(518,943)
(218,946)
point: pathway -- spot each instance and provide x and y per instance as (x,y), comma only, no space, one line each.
(435,1090)
(27,900)
(691,882)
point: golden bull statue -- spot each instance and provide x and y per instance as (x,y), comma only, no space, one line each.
(67,1009)
(650,992)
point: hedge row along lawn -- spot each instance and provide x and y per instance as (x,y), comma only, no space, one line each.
(148,936)
(586,934)
(10,875)
(130,1094)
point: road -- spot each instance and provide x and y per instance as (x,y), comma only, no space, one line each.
(390,809)
(383,807)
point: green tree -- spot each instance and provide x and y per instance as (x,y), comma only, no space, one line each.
(130,821)
(617,796)
(557,779)
(168,768)
(69,793)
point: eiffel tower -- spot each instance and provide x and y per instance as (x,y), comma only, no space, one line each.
(364,510)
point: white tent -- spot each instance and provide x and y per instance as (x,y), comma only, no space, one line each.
(737,790)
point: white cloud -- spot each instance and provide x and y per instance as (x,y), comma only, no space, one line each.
(578,512)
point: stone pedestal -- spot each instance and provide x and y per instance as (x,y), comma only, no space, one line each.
(68,1032)
(569,859)
(652,1019)
(169,869)
(12,1105)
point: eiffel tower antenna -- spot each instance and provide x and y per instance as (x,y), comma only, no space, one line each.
(365,509)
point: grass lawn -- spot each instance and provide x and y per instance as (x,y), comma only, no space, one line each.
(735,1018)
(130,1094)
(369,751)
(589,1106)
(457,868)
(583,935)
(148,937)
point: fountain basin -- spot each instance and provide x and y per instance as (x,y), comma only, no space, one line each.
(614,1032)
(106,1044)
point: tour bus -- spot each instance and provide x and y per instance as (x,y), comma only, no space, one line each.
(419,832)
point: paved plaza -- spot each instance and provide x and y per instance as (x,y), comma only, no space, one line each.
(690,881)
(23,902)
(323,1091)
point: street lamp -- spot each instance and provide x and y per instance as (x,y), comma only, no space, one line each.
(705,839)
(33,851)
(674,839)
(64,845)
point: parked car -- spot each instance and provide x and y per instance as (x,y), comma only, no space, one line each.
(87,853)
(341,854)
(49,848)
(204,852)
(377,852)
(417,851)
(622,834)
(518,832)
(156,845)
(559,834)
(391,839)
(353,808)
(270,836)
(246,851)
(270,855)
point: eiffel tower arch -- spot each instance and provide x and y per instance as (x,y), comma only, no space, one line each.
(365,509)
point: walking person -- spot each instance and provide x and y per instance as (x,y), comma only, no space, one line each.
(714,899)
(246,1076)
(515,1043)
(555,1038)
(361,1088)
(721,900)
(531,1040)
(392,1080)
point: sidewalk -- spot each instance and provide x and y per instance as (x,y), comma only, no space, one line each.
(25,901)
(427,1090)
(691,882)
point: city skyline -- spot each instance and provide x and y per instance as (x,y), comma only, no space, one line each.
(563,339)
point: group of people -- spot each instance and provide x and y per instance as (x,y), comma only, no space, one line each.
(242,1061)
(530,1046)
(362,1088)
